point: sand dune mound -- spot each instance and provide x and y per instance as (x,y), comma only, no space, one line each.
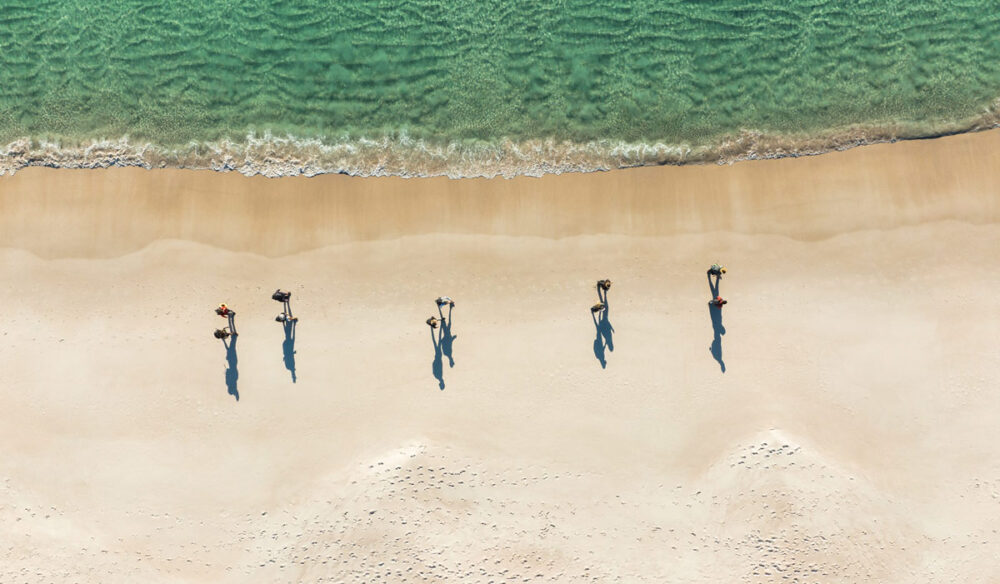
(772,510)
(787,512)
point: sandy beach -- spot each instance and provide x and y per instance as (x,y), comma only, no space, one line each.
(836,422)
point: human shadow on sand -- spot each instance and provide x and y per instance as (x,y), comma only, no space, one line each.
(599,345)
(437,366)
(604,332)
(232,373)
(717,331)
(288,346)
(446,338)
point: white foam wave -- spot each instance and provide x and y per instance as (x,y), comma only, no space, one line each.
(403,156)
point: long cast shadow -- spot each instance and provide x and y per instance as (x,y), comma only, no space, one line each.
(605,329)
(605,325)
(717,331)
(447,339)
(599,344)
(437,367)
(288,346)
(605,332)
(232,373)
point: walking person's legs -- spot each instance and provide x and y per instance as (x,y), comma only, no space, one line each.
(602,290)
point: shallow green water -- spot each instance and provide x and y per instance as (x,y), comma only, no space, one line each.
(669,71)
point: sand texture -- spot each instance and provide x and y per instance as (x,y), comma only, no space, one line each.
(836,422)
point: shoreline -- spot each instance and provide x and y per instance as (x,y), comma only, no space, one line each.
(110,212)
(402,156)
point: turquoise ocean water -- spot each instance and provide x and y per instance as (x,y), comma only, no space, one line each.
(482,87)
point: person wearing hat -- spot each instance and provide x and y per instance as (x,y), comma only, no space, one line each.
(717,270)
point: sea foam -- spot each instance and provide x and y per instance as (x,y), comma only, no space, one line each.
(276,156)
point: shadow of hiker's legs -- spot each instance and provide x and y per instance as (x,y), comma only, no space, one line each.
(717,331)
(599,351)
(447,340)
(288,347)
(232,373)
(607,331)
(437,366)
(599,342)
(604,328)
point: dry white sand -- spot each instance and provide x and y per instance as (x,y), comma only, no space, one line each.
(853,436)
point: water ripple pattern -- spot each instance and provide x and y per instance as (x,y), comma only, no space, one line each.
(474,87)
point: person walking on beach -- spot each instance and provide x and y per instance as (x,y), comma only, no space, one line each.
(713,283)
(441,302)
(603,338)
(437,365)
(230,314)
(446,339)
(232,373)
(602,308)
(285,299)
(715,312)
